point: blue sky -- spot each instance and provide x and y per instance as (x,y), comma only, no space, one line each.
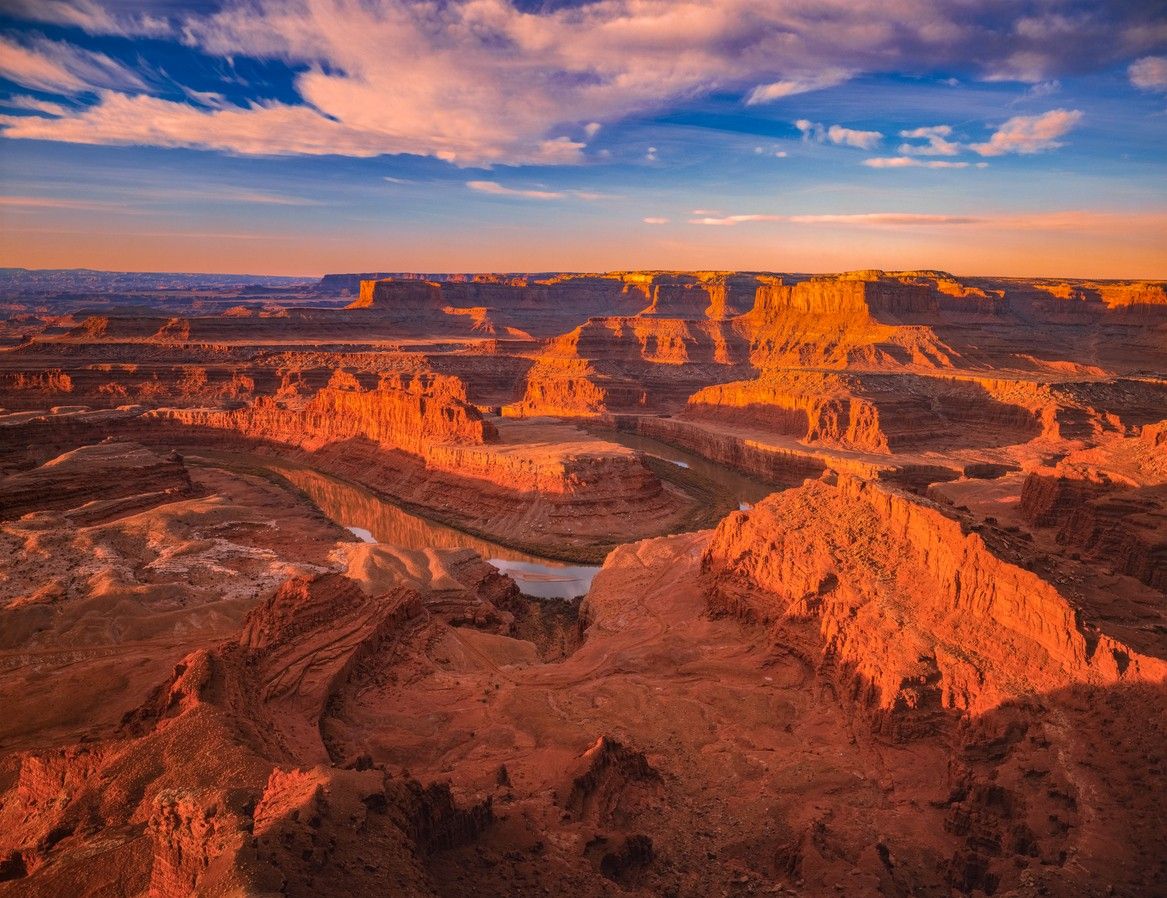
(306,136)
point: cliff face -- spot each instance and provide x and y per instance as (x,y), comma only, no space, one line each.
(878,320)
(629,364)
(410,412)
(916,615)
(1120,528)
(869,413)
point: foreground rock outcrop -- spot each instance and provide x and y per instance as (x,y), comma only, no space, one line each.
(926,615)
(222,783)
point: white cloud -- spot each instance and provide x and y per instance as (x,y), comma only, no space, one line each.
(59,67)
(48,202)
(1028,134)
(496,189)
(937,143)
(655,220)
(1043,89)
(838,135)
(911,162)
(864,219)
(591,129)
(1149,73)
(650,154)
(768,93)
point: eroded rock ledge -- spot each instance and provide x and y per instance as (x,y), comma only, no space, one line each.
(923,614)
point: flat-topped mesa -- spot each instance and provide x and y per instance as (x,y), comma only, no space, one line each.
(920,615)
(867,412)
(845,296)
(662,341)
(716,295)
(406,411)
(94,480)
(845,323)
(34,389)
(394,294)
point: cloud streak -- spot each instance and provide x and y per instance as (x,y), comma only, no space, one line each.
(913,162)
(55,66)
(864,219)
(496,189)
(789,87)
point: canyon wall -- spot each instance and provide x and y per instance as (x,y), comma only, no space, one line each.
(866,412)
(409,412)
(923,616)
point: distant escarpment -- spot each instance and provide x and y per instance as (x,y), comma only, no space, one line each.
(631,364)
(915,615)
(559,297)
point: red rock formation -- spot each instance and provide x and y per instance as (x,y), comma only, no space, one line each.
(1117,527)
(195,795)
(406,412)
(922,614)
(92,480)
(869,413)
(630,364)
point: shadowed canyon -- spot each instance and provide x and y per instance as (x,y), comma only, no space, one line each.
(632,583)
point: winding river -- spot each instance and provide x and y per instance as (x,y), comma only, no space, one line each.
(376,520)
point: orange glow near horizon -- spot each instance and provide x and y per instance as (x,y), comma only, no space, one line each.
(1074,244)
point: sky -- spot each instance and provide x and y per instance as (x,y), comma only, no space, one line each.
(302,137)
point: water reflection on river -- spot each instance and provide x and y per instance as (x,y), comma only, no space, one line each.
(744,491)
(373,519)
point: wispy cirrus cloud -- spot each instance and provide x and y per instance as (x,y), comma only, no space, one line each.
(1099,221)
(52,202)
(913,162)
(60,67)
(655,220)
(91,17)
(864,219)
(788,87)
(35,104)
(494,188)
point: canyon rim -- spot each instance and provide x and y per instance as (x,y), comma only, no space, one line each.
(566,480)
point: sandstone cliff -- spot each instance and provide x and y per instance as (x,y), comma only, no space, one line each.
(917,615)
(410,412)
